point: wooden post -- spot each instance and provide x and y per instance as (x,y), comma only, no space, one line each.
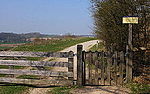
(96,68)
(129,56)
(90,66)
(115,67)
(102,69)
(70,68)
(109,62)
(79,66)
(121,67)
(84,68)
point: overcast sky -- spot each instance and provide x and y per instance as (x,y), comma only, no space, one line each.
(45,16)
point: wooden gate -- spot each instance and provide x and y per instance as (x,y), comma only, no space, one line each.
(93,68)
(103,68)
(36,68)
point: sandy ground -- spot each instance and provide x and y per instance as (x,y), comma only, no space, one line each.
(87,89)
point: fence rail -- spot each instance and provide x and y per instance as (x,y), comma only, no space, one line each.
(49,77)
(35,54)
(37,82)
(36,72)
(35,63)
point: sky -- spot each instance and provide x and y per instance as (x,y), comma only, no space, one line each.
(46,16)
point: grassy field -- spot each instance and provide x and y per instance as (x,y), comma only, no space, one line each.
(45,46)
(51,45)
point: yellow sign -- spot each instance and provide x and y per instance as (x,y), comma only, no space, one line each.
(133,20)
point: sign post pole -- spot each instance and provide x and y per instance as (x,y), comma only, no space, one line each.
(129,47)
(129,56)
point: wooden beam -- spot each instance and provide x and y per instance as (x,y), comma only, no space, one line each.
(34,54)
(70,68)
(79,66)
(109,64)
(35,63)
(121,67)
(36,72)
(55,82)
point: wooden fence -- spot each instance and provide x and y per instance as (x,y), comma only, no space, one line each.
(57,78)
(93,68)
(103,68)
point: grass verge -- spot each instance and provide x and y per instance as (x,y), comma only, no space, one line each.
(137,88)
(12,89)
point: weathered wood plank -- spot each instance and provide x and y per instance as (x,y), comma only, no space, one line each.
(84,67)
(122,59)
(34,54)
(90,67)
(35,63)
(96,69)
(70,68)
(58,82)
(129,57)
(102,70)
(115,68)
(79,65)
(109,62)
(36,72)
(87,61)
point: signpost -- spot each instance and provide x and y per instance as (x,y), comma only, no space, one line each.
(130,20)
(129,48)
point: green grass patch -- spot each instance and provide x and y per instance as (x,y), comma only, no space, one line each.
(3,75)
(137,88)
(3,48)
(12,89)
(51,45)
(14,67)
(34,58)
(98,47)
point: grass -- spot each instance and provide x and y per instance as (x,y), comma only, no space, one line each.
(137,88)
(51,45)
(12,89)
(3,48)
(34,58)
(14,67)
(98,47)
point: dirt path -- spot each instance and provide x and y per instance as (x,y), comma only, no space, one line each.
(100,90)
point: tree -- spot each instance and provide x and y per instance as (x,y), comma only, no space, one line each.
(108,15)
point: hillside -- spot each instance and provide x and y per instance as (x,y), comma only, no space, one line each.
(18,38)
